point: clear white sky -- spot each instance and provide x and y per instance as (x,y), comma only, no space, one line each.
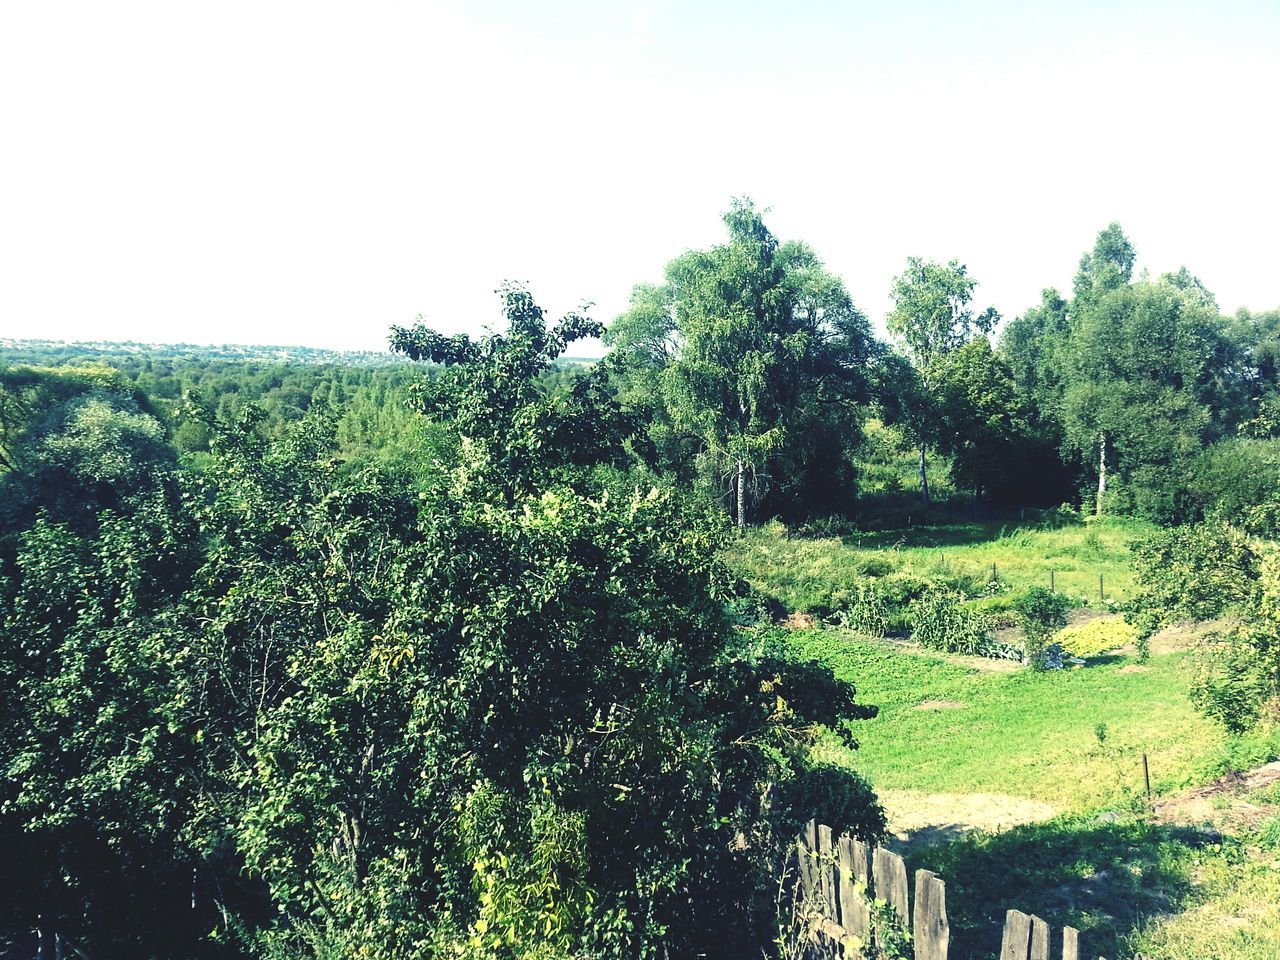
(309,173)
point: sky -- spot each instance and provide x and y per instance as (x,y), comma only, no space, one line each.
(312,173)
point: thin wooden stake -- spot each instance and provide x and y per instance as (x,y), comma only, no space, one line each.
(1051,587)
(1146,776)
(1102,596)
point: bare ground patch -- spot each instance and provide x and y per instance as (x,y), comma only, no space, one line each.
(1224,803)
(939,705)
(1184,636)
(980,664)
(800,621)
(920,819)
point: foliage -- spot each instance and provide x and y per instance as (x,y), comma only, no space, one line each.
(758,358)
(1096,636)
(870,610)
(1193,573)
(822,574)
(941,620)
(932,320)
(347,712)
(1238,673)
(1041,614)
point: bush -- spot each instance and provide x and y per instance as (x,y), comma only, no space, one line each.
(1096,636)
(1192,573)
(1041,614)
(941,620)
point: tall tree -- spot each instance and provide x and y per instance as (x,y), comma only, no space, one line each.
(747,342)
(1147,376)
(931,318)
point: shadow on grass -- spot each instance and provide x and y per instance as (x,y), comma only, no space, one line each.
(1105,879)
(1106,659)
(951,535)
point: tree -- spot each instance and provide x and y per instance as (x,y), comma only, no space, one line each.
(1147,377)
(982,423)
(754,348)
(322,710)
(931,318)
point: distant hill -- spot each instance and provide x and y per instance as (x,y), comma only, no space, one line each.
(57,352)
(60,352)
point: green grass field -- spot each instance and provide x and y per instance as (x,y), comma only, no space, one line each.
(1125,880)
(817,574)
(1030,734)
(1061,749)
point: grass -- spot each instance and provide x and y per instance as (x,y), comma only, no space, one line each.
(1028,734)
(1128,883)
(818,574)
(1071,741)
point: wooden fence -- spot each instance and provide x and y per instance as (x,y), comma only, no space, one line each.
(852,900)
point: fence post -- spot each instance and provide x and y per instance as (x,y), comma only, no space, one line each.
(1016,942)
(930,930)
(1070,943)
(1051,587)
(889,874)
(806,843)
(827,871)
(1039,939)
(855,913)
(1102,596)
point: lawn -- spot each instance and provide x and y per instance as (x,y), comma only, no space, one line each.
(817,574)
(1033,735)
(1072,742)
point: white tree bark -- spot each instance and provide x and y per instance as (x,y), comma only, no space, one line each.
(741,491)
(1102,471)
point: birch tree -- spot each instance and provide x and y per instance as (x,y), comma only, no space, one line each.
(743,341)
(931,318)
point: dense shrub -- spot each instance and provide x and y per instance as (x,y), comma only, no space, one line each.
(1192,573)
(869,612)
(1041,614)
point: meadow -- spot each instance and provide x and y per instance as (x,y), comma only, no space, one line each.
(1026,789)
(817,572)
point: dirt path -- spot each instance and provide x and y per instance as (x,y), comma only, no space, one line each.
(919,819)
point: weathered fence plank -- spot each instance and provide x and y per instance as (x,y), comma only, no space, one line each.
(1070,943)
(806,845)
(855,912)
(930,930)
(889,875)
(1016,942)
(827,871)
(1039,939)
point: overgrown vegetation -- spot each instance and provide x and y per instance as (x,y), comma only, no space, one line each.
(456,653)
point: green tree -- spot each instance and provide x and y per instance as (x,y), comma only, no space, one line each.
(322,710)
(931,318)
(1147,374)
(756,352)
(982,423)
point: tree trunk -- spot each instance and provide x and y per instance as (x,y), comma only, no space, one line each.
(740,482)
(1102,471)
(924,478)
